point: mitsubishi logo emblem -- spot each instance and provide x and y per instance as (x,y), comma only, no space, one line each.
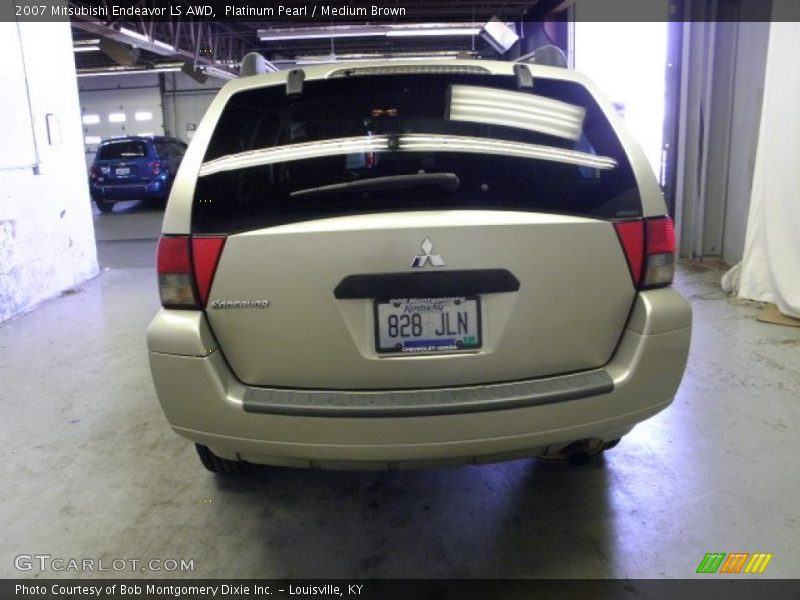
(435,259)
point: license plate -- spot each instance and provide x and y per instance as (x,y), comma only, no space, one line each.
(123,171)
(413,325)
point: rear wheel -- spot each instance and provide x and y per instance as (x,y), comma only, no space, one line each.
(105,206)
(159,202)
(220,465)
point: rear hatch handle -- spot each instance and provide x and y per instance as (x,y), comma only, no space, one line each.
(427,285)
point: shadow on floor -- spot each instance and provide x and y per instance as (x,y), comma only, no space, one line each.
(519,519)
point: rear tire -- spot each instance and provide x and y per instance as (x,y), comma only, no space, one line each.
(220,465)
(105,206)
(158,202)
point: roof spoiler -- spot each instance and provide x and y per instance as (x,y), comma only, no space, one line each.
(549,55)
(255,64)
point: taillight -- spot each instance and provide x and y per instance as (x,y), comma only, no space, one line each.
(186,268)
(631,236)
(649,247)
(155,167)
(94,172)
(659,267)
(206,252)
(174,266)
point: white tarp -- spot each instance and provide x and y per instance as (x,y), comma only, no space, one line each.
(770,267)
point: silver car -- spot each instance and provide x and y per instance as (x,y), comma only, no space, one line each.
(385,265)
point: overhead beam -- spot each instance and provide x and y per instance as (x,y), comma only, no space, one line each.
(280,34)
(146,42)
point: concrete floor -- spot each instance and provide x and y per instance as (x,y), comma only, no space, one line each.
(91,469)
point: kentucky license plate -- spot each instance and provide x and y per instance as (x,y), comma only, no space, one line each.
(409,325)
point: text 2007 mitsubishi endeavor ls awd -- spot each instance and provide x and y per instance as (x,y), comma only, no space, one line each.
(394,266)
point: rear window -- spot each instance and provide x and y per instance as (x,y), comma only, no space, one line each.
(169,148)
(177,149)
(410,142)
(122,150)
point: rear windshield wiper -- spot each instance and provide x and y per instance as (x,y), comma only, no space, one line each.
(448,181)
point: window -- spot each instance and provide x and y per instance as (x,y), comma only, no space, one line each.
(92,140)
(170,149)
(122,150)
(116,117)
(143,116)
(339,148)
(177,149)
(91,119)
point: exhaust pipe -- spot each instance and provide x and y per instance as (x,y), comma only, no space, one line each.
(578,453)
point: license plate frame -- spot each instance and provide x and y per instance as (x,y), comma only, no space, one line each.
(457,342)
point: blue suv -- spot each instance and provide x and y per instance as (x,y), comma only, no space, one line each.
(134,168)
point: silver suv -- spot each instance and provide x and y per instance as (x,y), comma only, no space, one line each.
(395,266)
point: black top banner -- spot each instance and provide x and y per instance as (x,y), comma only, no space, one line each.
(324,12)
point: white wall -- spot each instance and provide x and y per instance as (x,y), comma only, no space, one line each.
(46,233)
(185,102)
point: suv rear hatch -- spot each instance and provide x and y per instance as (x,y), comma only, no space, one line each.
(486,211)
(123,162)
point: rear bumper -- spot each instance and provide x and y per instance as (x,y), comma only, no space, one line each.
(204,401)
(129,191)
